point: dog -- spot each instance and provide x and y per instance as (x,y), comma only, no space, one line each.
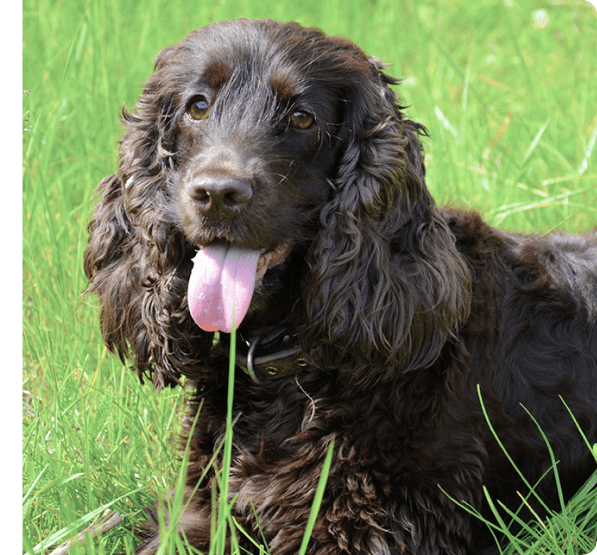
(271,186)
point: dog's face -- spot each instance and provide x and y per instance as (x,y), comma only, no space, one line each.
(255,152)
(255,149)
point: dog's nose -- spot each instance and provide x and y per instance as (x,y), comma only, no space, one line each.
(220,197)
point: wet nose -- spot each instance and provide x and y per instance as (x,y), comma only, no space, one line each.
(220,197)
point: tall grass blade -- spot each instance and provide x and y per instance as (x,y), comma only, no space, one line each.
(317,499)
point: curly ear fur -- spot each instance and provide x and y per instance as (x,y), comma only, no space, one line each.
(136,259)
(386,282)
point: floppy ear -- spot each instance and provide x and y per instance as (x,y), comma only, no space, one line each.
(386,283)
(136,260)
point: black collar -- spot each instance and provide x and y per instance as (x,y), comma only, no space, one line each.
(267,353)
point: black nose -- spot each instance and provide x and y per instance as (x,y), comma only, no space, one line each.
(220,197)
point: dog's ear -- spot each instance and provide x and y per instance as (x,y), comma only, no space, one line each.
(136,259)
(141,284)
(386,282)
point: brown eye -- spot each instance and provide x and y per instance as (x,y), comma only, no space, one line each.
(301,120)
(199,108)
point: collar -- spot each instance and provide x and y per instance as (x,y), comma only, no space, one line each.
(267,353)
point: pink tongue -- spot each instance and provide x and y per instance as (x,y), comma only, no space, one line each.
(221,285)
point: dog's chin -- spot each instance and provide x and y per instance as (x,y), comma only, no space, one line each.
(273,297)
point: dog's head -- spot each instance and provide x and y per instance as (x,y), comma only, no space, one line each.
(257,144)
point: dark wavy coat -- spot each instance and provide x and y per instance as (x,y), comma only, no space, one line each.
(400,309)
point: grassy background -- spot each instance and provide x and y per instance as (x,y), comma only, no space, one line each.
(507,89)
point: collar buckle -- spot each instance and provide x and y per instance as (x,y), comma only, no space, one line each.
(282,356)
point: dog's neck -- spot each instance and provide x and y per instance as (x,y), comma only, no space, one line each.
(267,353)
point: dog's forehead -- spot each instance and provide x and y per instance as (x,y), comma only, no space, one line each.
(243,68)
(241,60)
(290,58)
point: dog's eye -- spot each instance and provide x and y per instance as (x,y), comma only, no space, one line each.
(301,120)
(199,108)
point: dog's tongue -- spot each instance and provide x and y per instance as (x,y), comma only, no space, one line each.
(221,285)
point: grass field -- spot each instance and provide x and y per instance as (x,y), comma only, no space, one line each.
(506,88)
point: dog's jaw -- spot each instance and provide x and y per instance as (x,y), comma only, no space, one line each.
(270,258)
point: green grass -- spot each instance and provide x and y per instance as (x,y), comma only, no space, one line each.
(509,100)
(573,529)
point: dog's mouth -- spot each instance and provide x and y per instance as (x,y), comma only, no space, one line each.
(223,279)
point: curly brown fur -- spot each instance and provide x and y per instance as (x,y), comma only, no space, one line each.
(400,308)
